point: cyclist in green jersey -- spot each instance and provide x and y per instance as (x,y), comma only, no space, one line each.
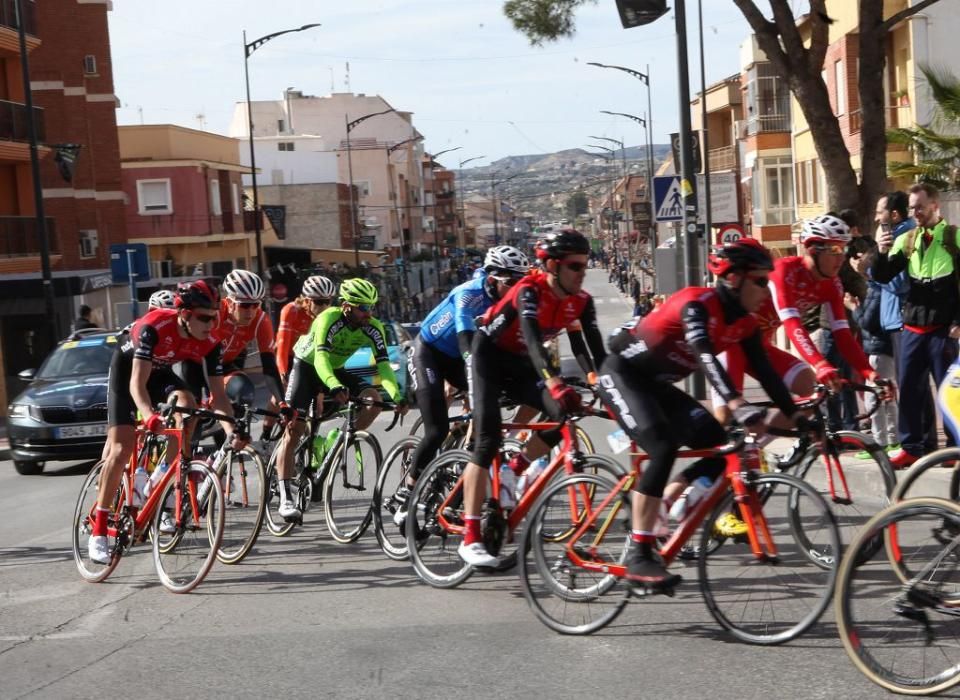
(318,372)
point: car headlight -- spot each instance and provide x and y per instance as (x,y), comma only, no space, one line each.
(18,410)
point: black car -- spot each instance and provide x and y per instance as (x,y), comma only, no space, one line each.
(62,415)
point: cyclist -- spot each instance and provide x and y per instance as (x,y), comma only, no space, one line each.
(442,351)
(508,356)
(648,355)
(141,376)
(295,319)
(317,372)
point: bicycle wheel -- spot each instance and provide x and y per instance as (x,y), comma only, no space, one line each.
(934,475)
(277,526)
(416,430)
(870,481)
(565,596)
(773,599)
(432,547)
(348,487)
(243,479)
(184,557)
(392,476)
(904,637)
(83,516)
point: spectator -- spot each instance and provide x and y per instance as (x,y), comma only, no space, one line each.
(931,311)
(83,319)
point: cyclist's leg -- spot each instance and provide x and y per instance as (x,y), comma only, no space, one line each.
(533,400)
(428,380)
(303,387)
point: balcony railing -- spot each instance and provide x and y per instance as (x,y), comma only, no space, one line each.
(19,237)
(8,15)
(766,123)
(896,116)
(14,124)
(723,158)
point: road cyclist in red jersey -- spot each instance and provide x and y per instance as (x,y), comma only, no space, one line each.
(141,376)
(508,357)
(316,295)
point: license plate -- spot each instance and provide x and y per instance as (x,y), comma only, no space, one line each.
(70,431)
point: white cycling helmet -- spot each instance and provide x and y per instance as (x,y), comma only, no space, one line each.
(319,287)
(507,259)
(163,299)
(243,285)
(825,228)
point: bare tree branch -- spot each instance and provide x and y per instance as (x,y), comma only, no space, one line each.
(768,36)
(819,35)
(893,20)
(787,27)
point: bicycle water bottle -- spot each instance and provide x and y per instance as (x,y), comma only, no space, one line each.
(530,474)
(319,450)
(332,437)
(140,481)
(690,497)
(156,477)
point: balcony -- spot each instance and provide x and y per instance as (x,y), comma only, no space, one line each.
(896,116)
(723,158)
(19,237)
(768,123)
(8,16)
(14,124)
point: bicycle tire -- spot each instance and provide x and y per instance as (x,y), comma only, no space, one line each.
(277,526)
(416,428)
(82,527)
(913,483)
(244,487)
(392,475)
(568,598)
(884,629)
(432,549)
(348,488)
(184,558)
(728,575)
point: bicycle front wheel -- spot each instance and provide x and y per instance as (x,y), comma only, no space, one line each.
(903,636)
(243,479)
(776,596)
(277,526)
(386,502)
(348,488)
(185,556)
(83,516)
(935,475)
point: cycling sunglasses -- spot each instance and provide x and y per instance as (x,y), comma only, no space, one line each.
(204,318)
(835,249)
(248,304)
(506,280)
(575,266)
(365,308)
(321,302)
(762,282)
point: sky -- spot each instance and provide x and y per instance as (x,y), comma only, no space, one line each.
(469,78)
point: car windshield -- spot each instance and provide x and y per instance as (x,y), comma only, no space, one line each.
(77,358)
(391,334)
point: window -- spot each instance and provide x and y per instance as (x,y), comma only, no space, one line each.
(773,191)
(153,197)
(215,198)
(235,197)
(768,100)
(88,243)
(90,65)
(285,146)
(840,87)
(281,126)
(363,187)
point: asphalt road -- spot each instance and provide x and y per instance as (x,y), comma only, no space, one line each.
(304,617)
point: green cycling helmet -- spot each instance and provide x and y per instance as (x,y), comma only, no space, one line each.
(358,291)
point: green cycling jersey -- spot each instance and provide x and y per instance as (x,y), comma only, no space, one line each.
(331,341)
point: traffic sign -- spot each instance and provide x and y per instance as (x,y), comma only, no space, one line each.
(694,146)
(729,233)
(667,198)
(123,256)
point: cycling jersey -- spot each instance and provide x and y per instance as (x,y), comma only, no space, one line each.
(456,314)
(331,341)
(156,338)
(294,322)
(235,337)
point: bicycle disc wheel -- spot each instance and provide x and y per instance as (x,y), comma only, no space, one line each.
(184,557)
(903,637)
(83,516)
(934,475)
(431,546)
(392,476)
(348,488)
(565,596)
(243,479)
(870,481)
(771,600)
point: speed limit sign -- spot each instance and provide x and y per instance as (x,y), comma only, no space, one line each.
(729,233)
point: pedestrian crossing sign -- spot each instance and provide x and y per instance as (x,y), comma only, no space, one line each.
(667,198)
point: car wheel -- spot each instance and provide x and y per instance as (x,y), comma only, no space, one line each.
(28,468)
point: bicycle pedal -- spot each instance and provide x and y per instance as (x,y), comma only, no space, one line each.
(295,519)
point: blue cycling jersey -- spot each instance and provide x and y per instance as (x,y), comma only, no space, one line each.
(455,314)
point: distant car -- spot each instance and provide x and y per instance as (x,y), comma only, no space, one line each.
(399,346)
(62,414)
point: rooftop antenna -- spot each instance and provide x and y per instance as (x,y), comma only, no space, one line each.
(347,77)
(202,119)
(333,88)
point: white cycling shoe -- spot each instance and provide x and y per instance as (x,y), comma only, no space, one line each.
(288,511)
(98,550)
(476,554)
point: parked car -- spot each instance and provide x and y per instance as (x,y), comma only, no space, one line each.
(399,347)
(62,414)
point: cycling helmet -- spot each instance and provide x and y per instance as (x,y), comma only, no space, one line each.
(746,254)
(825,228)
(319,287)
(163,299)
(197,295)
(506,258)
(358,291)
(243,285)
(560,244)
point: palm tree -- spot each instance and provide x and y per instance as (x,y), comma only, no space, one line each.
(935,147)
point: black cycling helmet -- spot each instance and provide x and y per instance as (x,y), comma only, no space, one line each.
(745,254)
(560,244)
(197,295)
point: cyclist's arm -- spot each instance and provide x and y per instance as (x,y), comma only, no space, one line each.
(771,382)
(585,334)
(695,319)
(323,345)
(285,340)
(146,341)
(528,303)
(377,339)
(790,317)
(464,343)
(213,363)
(266,344)
(464,318)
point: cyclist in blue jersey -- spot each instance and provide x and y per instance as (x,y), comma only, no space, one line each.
(443,348)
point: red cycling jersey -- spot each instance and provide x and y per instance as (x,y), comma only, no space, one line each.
(795,290)
(155,337)
(235,338)
(295,321)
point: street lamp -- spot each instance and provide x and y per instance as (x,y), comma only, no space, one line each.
(642,121)
(446,150)
(396,202)
(494,183)
(353,214)
(461,238)
(609,157)
(249,48)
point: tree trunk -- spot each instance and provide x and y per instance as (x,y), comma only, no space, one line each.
(873,139)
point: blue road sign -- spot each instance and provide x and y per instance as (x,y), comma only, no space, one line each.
(667,198)
(121,253)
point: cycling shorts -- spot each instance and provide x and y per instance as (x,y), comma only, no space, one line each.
(121,408)
(304,384)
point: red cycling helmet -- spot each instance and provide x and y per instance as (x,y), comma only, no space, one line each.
(197,295)
(745,254)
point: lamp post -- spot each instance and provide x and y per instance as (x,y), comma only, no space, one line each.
(463,223)
(609,157)
(249,48)
(396,207)
(626,186)
(351,125)
(494,183)
(648,180)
